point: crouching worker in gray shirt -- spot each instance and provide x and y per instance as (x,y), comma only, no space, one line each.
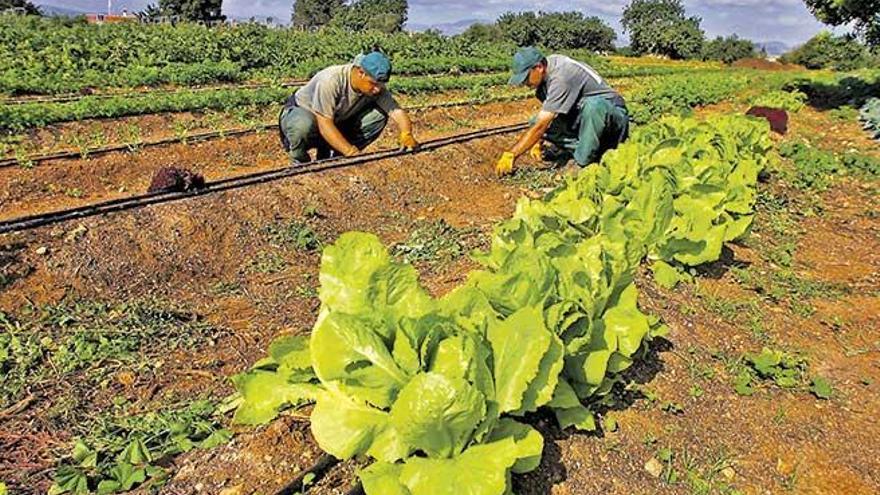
(341,110)
(580,113)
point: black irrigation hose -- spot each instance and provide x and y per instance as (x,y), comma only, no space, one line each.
(318,470)
(357,489)
(204,136)
(33,221)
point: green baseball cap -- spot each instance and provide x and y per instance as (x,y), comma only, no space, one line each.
(376,64)
(523,61)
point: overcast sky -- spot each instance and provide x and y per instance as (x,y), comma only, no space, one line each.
(761,20)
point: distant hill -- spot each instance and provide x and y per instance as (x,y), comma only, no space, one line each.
(773,48)
(448,28)
(52,10)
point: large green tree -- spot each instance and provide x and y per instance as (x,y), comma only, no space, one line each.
(308,14)
(483,32)
(865,14)
(826,51)
(729,49)
(387,16)
(193,10)
(27,7)
(557,30)
(662,27)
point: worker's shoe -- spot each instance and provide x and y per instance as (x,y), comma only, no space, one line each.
(555,154)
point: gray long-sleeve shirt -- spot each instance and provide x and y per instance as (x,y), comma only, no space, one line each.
(329,93)
(568,81)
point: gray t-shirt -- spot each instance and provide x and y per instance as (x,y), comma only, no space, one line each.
(329,93)
(567,82)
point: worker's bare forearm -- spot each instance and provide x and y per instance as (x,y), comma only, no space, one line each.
(328,130)
(534,134)
(401,118)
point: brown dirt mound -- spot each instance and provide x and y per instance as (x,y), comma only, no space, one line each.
(764,64)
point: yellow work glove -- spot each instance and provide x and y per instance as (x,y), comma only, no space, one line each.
(536,152)
(408,142)
(505,163)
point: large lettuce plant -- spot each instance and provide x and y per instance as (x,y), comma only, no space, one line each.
(435,390)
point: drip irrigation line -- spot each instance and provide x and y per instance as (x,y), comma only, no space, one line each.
(138,201)
(357,489)
(204,136)
(71,97)
(317,470)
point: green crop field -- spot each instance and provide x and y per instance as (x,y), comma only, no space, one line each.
(693,312)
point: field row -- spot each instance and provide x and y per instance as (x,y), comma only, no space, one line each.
(44,56)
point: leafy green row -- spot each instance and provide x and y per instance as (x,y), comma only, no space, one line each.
(55,56)
(20,81)
(51,56)
(21,117)
(435,389)
(790,101)
(815,168)
(671,94)
(870,116)
(677,92)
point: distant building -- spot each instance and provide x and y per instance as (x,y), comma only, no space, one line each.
(110,18)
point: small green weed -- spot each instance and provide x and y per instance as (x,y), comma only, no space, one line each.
(232,288)
(434,242)
(50,342)
(532,178)
(267,262)
(785,370)
(786,285)
(862,165)
(813,168)
(295,234)
(821,388)
(119,452)
(844,113)
(701,478)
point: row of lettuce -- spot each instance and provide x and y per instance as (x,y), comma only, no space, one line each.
(655,94)
(434,389)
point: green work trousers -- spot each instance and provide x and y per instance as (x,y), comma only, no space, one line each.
(596,126)
(299,131)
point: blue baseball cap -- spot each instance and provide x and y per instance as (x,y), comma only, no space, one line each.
(376,65)
(523,61)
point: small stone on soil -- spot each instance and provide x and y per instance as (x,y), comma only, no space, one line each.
(653,467)
(75,234)
(42,250)
(235,490)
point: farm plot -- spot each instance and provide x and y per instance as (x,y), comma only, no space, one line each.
(66,183)
(218,278)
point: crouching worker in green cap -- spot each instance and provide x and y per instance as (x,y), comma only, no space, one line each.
(341,110)
(580,114)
